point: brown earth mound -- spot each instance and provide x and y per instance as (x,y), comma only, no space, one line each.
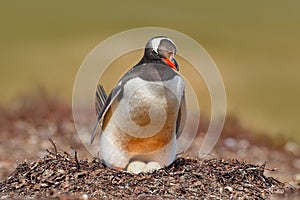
(57,175)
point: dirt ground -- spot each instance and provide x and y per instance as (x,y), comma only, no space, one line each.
(243,165)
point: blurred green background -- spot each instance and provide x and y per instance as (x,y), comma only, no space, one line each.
(255,44)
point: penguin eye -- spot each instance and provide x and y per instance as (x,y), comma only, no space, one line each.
(155,53)
(171,53)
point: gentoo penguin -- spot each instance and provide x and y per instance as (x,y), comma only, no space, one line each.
(144,114)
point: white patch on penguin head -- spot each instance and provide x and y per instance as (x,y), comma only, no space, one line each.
(154,43)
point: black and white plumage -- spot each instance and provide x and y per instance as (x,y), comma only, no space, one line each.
(145,112)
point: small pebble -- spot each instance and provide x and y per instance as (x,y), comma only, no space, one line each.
(4,197)
(228,188)
(293,148)
(230,142)
(296,163)
(85,196)
(297,178)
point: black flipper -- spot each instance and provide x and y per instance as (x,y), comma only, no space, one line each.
(101,99)
(103,104)
(181,118)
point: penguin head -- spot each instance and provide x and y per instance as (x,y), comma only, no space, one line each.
(162,48)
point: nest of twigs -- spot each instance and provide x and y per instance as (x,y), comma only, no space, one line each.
(62,175)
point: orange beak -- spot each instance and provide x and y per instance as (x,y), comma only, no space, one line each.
(170,63)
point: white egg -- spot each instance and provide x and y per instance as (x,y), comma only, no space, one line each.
(136,167)
(151,166)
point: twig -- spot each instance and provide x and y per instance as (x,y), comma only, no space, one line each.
(55,149)
(76,159)
(271,169)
